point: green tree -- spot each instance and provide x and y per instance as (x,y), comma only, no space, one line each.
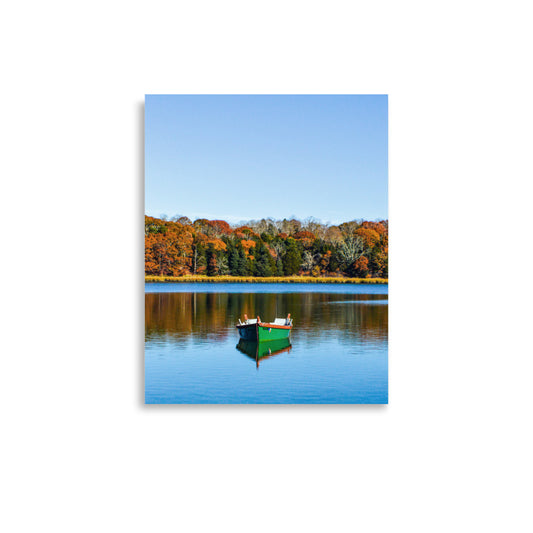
(292,258)
(212,264)
(233,258)
(199,259)
(279,267)
(263,266)
(242,269)
(237,260)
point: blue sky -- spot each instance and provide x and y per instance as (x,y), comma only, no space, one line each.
(244,157)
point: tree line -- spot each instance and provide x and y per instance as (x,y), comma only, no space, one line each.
(266,247)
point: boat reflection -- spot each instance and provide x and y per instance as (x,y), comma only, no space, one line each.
(263,350)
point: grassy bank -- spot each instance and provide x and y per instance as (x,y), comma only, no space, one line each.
(251,279)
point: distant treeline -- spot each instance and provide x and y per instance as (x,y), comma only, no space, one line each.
(267,247)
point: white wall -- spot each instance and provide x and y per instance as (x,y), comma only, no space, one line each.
(80,452)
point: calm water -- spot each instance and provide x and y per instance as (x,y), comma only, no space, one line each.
(337,353)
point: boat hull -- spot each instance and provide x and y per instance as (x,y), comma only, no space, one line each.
(263,332)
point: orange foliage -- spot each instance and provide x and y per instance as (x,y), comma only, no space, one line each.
(176,247)
(381,258)
(361,267)
(200,238)
(376,226)
(305,237)
(246,232)
(218,244)
(369,236)
(247,245)
(219,227)
(168,254)
(324,262)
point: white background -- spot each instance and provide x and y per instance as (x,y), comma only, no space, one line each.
(452,451)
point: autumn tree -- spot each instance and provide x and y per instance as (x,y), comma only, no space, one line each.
(185,221)
(245,232)
(360,267)
(324,262)
(167,248)
(265,247)
(154,225)
(348,228)
(379,258)
(314,226)
(218,228)
(370,236)
(333,235)
(305,237)
(201,225)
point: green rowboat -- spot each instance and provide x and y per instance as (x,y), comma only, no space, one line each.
(257,331)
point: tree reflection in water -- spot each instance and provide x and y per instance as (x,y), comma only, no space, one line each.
(212,316)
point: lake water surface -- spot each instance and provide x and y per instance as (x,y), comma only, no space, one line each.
(338,352)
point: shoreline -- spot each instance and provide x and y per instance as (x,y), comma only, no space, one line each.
(253,279)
